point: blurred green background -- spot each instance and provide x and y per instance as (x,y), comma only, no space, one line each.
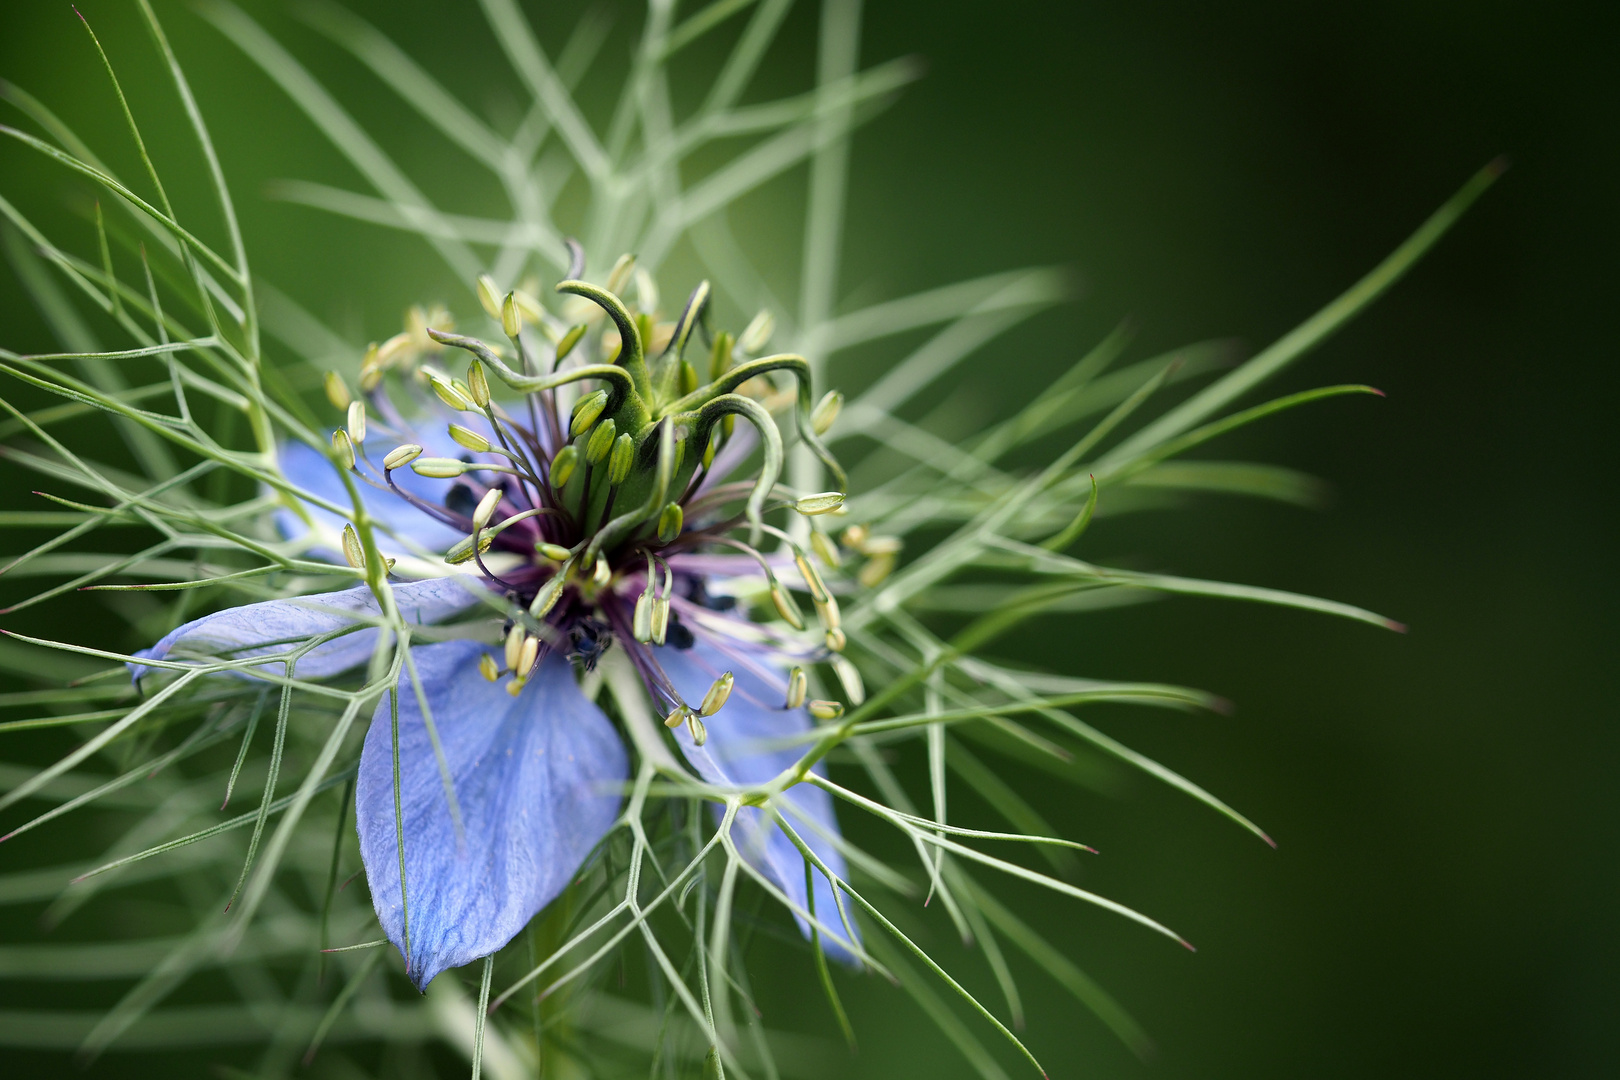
(1445,802)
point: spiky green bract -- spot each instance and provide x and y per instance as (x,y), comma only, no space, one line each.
(262,888)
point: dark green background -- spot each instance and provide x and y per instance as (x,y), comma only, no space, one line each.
(1442,900)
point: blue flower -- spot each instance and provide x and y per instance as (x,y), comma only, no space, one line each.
(597,532)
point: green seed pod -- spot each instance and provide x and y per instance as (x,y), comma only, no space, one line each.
(469,438)
(624,453)
(337,391)
(478,384)
(600,444)
(562,466)
(586,411)
(826,411)
(669,522)
(566,344)
(400,456)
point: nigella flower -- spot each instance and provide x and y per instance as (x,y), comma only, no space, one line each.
(596,520)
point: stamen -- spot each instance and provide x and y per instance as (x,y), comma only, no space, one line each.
(602,574)
(554,552)
(478,384)
(850,677)
(825,549)
(641,622)
(551,591)
(677,717)
(836,640)
(700,733)
(514,646)
(353,553)
(798,686)
(822,503)
(716,698)
(619,462)
(489,296)
(487,668)
(758,332)
(669,522)
(566,344)
(562,467)
(469,438)
(586,411)
(438,468)
(486,508)
(600,444)
(511,317)
(527,655)
(876,570)
(660,619)
(785,605)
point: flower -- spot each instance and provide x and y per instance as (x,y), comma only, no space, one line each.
(487,776)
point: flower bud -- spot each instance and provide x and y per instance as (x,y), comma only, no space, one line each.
(715,699)
(486,508)
(677,716)
(514,646)
(798,686)
(821,503)
(337,391)
(554,552)
(759,331)
(353,553)
(566,343)
(670,521)
(826,550)
(562,466)
(641,623)
(400,456)
(511,317)
(620,274)
(850,677)
(342,448)
(586,411)
(462,550)
(660,619)
(487,668)
(786,607)
(600,444)
(357,422)
(826,710)
(489,295)
(478,384)
(439,468)
(826,411)
(469,438)
(624,453)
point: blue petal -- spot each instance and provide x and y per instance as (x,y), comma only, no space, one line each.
(313,471)
(744,748)
(537,779)
(275,626)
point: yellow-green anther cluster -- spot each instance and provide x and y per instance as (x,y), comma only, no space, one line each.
(562,466)
(439,468)
(400,456)
(600,444)
(715,699)
(826,411)
(623,456)
(469,438)
(342,448)
(586,411)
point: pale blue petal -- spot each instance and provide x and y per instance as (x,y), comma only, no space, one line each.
(745,746)
(273,627)
(312,470)
(538,781)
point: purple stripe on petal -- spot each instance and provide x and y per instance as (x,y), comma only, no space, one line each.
(745,746)
(538,780)
(273,627)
